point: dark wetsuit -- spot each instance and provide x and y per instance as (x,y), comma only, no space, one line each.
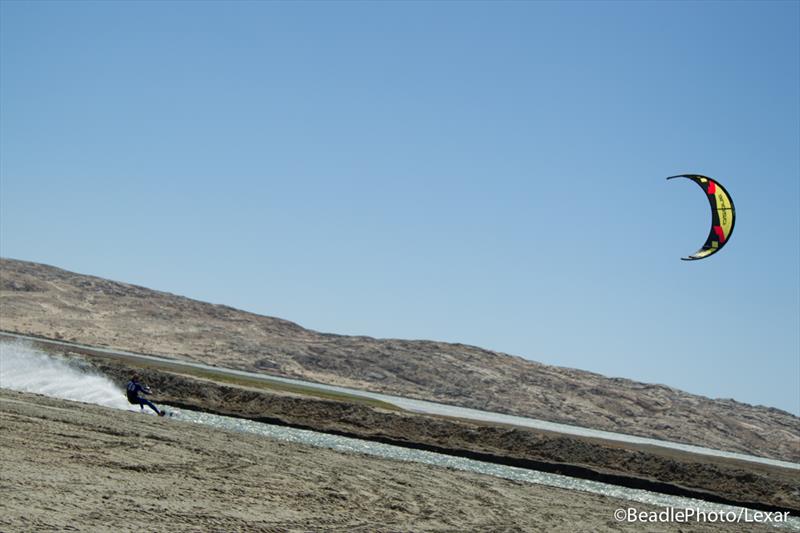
(134,388)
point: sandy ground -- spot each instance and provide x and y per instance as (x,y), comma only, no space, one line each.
(69,466)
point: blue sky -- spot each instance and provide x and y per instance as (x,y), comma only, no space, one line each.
(484,173)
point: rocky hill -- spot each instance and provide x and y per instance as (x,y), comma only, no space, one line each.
(45,301)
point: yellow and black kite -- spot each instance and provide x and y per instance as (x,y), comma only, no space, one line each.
(722,215)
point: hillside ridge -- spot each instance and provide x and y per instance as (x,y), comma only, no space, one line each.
(46,301)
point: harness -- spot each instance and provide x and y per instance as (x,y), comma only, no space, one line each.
(133,392)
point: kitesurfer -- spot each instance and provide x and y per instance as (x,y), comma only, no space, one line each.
(134,389)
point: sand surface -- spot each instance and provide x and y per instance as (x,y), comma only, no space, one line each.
(69,466)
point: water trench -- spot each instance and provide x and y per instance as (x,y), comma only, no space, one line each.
(26,369)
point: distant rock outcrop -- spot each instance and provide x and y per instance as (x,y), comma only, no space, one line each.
(45,301)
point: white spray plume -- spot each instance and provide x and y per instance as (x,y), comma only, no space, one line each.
(26,369)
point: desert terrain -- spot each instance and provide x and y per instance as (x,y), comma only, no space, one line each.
(63,463)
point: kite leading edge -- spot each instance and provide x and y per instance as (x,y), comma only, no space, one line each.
(723,215)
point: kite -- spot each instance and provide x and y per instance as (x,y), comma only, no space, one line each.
(722,215)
